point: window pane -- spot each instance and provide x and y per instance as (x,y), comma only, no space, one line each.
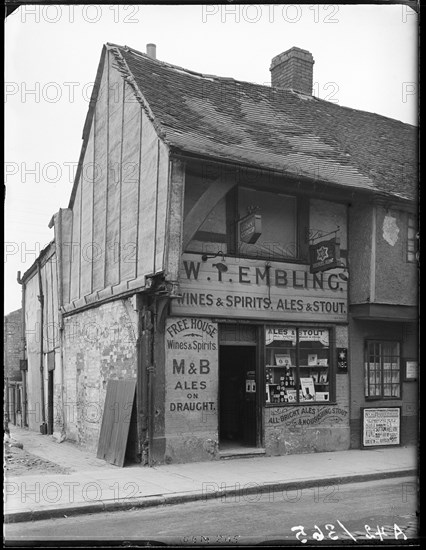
(278,238)
(297,365)
(411,239)
(211,235)
(281,364)
(382,378)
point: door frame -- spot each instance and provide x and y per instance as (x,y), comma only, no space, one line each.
(257,343)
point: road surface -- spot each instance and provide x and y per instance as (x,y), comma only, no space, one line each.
(383,510)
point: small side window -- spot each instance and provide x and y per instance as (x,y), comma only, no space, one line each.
(411,239)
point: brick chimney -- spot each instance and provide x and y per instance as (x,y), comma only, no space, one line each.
(293,70)
(151,50)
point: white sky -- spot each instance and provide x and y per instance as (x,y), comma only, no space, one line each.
(365,58)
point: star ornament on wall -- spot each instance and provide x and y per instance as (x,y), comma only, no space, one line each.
(322,253)
(342,355)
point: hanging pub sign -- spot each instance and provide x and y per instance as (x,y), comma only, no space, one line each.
(342,360)
(324,255)
(250,228)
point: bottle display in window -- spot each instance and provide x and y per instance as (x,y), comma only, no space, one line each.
(297,364)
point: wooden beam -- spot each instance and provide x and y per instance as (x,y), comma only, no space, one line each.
(175,218)
(202,208)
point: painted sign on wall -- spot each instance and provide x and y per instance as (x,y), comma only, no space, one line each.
(191,375)
(255,289)
(295,417)
(381,426)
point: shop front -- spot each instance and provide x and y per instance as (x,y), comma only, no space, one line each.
(253,355)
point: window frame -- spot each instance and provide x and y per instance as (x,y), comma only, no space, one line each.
(331,373)
(301,223)
(367,355)
(268,256)
(411,242)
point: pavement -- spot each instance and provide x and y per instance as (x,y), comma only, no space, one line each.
(92,485)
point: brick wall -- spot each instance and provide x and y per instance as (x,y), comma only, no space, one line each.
(12,350)
(293,69)
(99,345)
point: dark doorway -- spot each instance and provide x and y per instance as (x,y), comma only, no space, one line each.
(237,406)
(50,403)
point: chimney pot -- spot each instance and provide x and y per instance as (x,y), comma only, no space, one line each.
(293,70)
(151,50)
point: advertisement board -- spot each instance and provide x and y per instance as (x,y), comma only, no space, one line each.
(381,426)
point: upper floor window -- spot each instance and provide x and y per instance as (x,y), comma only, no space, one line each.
(279,224)
(284,221)
(411,239)
(210,235)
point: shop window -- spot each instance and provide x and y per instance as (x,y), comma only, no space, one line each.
(298,368)
(382,370)
(411,239)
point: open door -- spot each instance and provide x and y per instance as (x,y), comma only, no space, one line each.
(237,397)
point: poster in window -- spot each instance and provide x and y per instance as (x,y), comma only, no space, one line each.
(308,389)
(323,378)
(283,360)
(411,368)
(291,396)
(312,359)
(314,335)
(322,396)
(381,426)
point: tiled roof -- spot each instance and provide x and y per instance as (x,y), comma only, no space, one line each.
(274,129)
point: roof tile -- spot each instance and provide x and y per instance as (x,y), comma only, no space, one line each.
(276,129)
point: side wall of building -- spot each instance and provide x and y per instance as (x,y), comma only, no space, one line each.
(119,204)
(51,349)
(99,345)
(12,354)
(12,342)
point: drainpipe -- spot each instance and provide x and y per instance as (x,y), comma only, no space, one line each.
(24,347)
(43,427)
(6,387)
(143,362)
(150,383)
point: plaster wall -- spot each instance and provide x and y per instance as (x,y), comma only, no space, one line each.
(99,345)
(396,278)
